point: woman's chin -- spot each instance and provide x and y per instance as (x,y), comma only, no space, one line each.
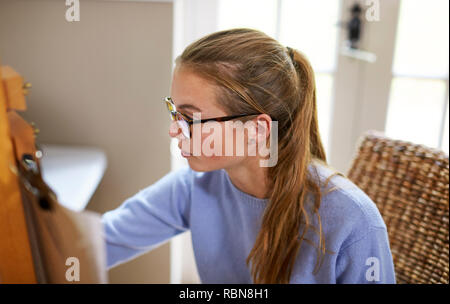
(197,166)
(200,165)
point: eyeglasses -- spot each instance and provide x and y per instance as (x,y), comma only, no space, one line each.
(185,122)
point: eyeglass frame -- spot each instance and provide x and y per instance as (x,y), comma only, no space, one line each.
(173,113)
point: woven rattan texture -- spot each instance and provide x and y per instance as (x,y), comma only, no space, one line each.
(410,185)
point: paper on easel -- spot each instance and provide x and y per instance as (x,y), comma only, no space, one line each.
(68,246)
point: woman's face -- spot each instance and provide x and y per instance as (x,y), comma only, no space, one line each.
(211,150)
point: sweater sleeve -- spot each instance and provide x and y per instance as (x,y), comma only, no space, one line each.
(149,218)
(367,260)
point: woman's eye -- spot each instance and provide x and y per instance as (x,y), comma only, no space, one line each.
(188,116)
(184,116)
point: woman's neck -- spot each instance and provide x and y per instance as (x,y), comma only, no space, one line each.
(250,178)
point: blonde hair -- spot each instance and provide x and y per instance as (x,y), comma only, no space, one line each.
(254,72)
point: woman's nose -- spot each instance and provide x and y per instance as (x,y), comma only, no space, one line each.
(174,129)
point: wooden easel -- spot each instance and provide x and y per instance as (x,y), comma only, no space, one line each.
(37,233)
(16,140)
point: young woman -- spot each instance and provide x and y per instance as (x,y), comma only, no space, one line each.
(290,220)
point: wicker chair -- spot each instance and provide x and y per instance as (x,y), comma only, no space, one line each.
(409,183)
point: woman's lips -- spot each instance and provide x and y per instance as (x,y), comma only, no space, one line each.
(184,153)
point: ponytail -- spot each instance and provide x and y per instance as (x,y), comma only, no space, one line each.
(307,78)
(286,221)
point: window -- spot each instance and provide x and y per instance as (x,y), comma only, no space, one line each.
(419,87)
(257,14)
(295,23)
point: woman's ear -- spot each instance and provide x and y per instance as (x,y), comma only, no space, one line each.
(263,126)
(259,129)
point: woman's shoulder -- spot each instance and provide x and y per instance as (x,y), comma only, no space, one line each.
(344,205)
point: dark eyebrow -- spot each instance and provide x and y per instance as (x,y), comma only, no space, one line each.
(187,106)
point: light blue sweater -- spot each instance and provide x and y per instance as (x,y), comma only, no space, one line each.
(224,222)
